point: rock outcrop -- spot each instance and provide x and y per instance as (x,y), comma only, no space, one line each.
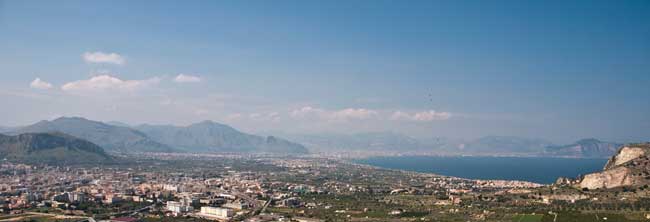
(607,179)
(629,167)
(625,154)
(564,181)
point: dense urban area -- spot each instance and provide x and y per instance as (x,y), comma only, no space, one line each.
(235,187)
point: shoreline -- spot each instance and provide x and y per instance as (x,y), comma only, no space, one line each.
(440,172)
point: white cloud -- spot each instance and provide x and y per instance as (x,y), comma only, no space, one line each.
(40,84)
(306,112)
(352,113)
(273,116)
(424,116)
(109,83)
(183,78)
(101,57)
(343,114)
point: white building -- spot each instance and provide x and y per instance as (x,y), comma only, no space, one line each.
(177,207)
(170,187)
(235,205)
(218,212)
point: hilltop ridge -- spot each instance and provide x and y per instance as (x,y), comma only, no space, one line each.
(109,137)
(209,136)
(52,148)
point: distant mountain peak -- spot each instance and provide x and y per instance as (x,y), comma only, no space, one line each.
(208,123)
(52,148)
(110,137)
(118,123)
(589,141)
(589,147)
(71,118)
(208,135)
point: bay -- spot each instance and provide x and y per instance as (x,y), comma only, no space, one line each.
(543,170)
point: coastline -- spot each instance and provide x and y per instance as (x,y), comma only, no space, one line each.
(540,170)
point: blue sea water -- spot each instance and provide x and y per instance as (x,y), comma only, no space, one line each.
(534,169)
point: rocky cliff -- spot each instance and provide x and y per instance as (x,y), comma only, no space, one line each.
(629,167)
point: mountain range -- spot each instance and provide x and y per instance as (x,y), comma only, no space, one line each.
(502,145)
(372,141)
(51,148)
(208,136)
(205,136)
(110,137)
(484,146)
(5,129)
(588,148)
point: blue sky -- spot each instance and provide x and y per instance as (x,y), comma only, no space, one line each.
(463,69)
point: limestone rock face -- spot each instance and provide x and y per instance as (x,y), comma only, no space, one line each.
(607,179)
(629,167)
(624,155)
(563,181)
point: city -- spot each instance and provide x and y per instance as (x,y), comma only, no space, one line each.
(324,111)
(198,187)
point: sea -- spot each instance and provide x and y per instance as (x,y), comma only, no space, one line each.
(544,170)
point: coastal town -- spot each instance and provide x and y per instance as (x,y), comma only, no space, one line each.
(324,111)
(223,188)
(211,187)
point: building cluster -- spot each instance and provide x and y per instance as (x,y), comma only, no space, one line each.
(219,193)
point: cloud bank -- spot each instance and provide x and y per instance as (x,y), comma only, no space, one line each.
(101,57)
(352,113)
(424,116)
(108,83)
(184,78)
(308,112)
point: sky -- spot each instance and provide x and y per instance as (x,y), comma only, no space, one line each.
(556,70)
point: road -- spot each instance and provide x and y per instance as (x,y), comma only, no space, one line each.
(265,206)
